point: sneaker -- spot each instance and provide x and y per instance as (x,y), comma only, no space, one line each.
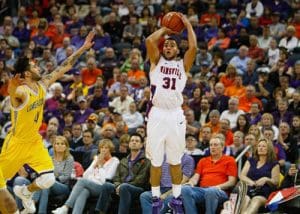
(61,210)
(157,205)
(27,201)
(176,205)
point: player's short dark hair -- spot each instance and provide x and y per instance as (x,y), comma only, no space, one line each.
(21,65)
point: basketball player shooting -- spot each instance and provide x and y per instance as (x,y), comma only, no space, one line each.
(166,126)
(23,144)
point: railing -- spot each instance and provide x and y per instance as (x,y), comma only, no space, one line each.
(238,159)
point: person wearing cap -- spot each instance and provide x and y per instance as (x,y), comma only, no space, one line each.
(76,85)
(92,125)
(83,112)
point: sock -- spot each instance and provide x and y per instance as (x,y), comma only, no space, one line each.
(17,212)
(155,191)
(176,189)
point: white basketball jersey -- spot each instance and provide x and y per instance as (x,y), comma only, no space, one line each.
(167,83)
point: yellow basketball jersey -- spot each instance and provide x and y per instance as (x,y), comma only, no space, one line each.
(27,118)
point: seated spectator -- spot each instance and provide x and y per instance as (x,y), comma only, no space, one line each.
(98,100)
(77,86)
(86,150)
(238,143)
(213,176)
(255,52)
(132,30)
(191,146)
(229,77)
(246,101)
(202,115)
(255,130)
(205,18)
(250,77)
(102,169)
(89,75)
(267,121)
(134,54)
(194,102)
(221,41)
(240,61)
(63,165)
(272,53)
(78,40)
(121,103)
(102,40)
(108,62)
(135,74)
(282,114)
(261,174)
(226,131)
(192,126)
(130,181)
(220,101)
(232,113)
(295,129)
(83,112)
(289,144)
(242,124)
(115,89)
(92,125)
(294,105)
(268,133)
(205,134)
(22,33)
(289,41)
(187,166)
(236,90)
(77,140)
(254,8)
(133,119)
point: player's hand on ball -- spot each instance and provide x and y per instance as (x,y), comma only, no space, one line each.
(185,20)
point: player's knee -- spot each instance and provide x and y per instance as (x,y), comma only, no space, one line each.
(45,181)
(157,163)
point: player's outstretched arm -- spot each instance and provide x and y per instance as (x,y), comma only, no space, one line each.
(152,44)
(69,62)
(190,54)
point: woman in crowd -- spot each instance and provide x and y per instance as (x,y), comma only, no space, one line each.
(242,124)
(63,164)
(103,168)
(261,174)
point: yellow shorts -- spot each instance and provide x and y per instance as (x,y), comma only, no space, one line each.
(15,154)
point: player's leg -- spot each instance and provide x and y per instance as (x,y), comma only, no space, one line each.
(175,144)
(40,161)
(155,149)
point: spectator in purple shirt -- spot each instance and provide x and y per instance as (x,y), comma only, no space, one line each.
(78,40)
(166,184)
(282,114)
(82,114)
(22,33)
(102,40)
(98,100)
(41,40)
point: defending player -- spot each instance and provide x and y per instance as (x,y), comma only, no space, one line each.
(23,144)
(166,124)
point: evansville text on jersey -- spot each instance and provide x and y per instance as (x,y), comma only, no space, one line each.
(170,71)
(35,104)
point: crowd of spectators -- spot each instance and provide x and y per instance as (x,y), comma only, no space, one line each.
(244,86)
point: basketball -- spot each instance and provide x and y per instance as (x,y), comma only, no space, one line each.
(172,20)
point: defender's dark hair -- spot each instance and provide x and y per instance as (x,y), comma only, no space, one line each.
(21,66)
